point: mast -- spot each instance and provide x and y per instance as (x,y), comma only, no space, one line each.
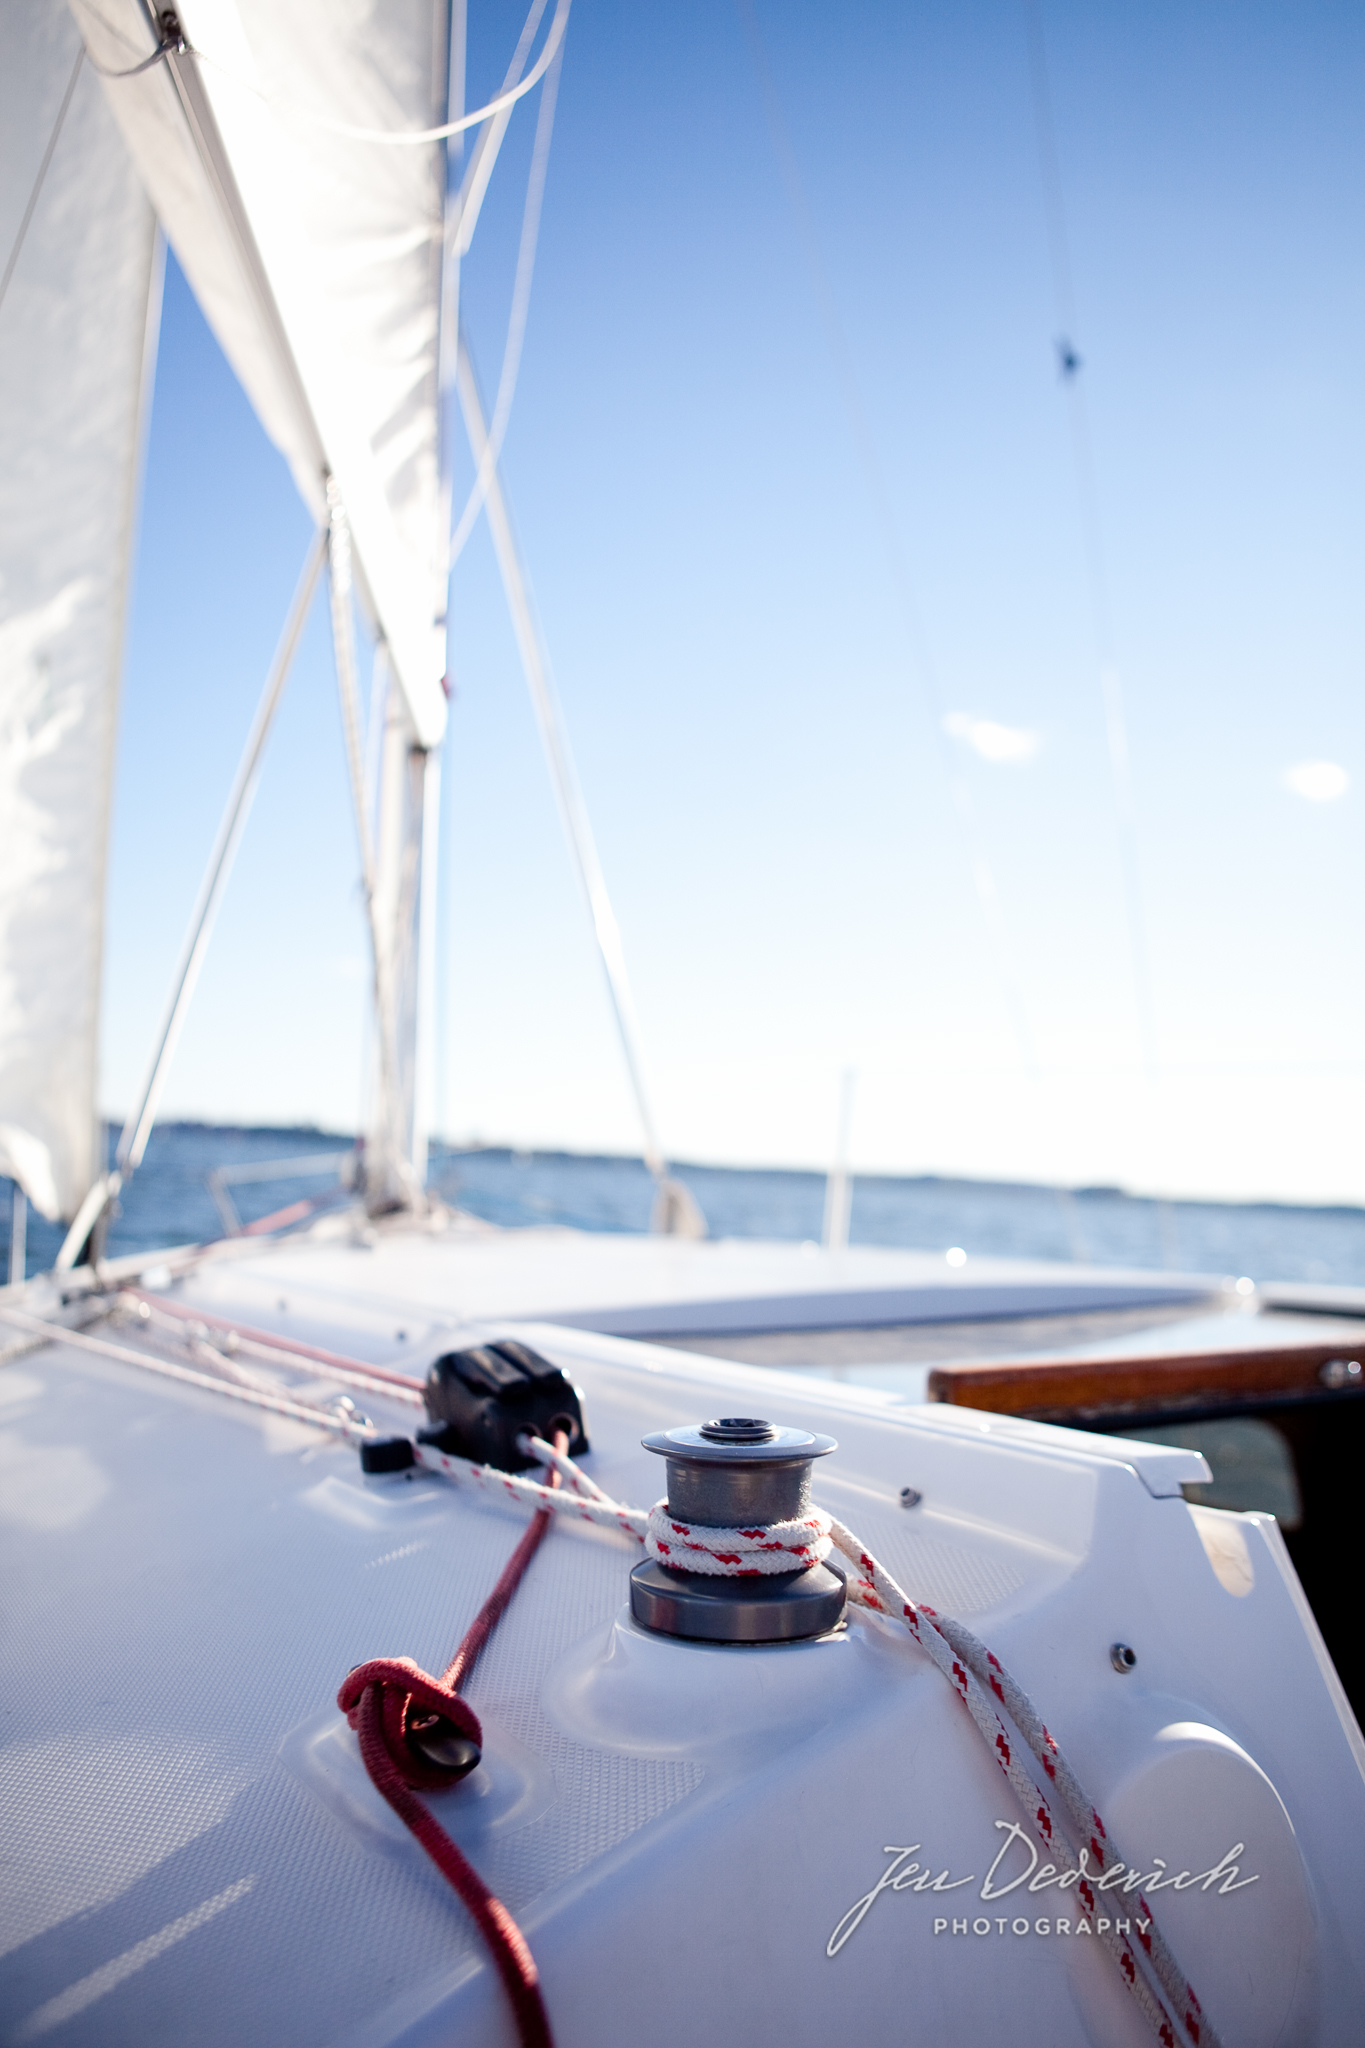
(407,798)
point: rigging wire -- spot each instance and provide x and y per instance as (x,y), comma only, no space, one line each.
(1070,364)
(874,479)
(463,212)
(675,1209)
(35,194)
(136,1130)
(516,324)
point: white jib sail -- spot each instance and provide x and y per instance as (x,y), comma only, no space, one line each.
(316,257)
(74,353)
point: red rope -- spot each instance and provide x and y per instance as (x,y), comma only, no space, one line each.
(490,1614)
(383,1700)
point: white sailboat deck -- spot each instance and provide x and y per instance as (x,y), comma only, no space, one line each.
(191,1831)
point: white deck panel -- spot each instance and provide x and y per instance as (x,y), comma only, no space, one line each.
(653,1287)
(193,1851)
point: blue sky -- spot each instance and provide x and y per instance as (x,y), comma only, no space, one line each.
(754,657)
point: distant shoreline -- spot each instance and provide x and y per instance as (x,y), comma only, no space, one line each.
(501,1149)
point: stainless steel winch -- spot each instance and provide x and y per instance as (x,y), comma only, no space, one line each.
(737,1473)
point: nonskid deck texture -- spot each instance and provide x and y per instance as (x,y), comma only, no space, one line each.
(193,1848)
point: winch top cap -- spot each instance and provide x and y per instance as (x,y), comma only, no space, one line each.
(738,1429)
(736,1439)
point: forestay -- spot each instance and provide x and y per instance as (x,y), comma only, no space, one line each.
(316,257)
(74,329)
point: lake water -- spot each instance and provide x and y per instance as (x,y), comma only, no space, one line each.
(168,1202)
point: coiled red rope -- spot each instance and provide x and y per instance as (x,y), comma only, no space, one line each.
(390,1702)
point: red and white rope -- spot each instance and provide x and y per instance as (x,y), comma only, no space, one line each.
(581,1506)
(1088,1830)
(947,1644)
(738,1553)
(573,1475)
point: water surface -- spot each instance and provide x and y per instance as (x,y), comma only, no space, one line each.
(168,1202)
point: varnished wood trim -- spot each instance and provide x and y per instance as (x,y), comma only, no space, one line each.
(1054,1386)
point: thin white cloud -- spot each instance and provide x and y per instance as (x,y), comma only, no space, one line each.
(1009,744)
(1321,782)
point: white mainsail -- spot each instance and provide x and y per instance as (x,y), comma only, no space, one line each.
(316,256)
(77,242)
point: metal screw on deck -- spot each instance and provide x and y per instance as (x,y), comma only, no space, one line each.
(739,1472)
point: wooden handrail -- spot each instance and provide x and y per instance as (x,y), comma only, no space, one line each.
(1058,1388)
